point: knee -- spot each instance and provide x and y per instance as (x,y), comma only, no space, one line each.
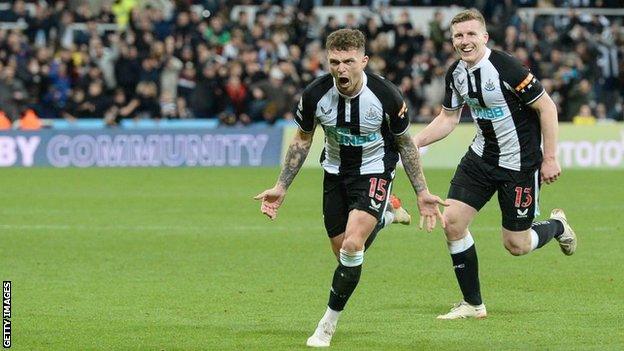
(516,247)
(351,245)
(454,229)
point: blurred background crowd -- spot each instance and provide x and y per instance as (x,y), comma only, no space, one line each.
(130,59)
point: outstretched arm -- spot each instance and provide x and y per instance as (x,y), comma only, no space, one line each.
(295,156)
(439,128)
(427,203)
(545,107)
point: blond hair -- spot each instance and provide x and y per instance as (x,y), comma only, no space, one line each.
(469,15)
(345,40)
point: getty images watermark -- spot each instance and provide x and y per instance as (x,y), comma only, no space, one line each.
(6,314)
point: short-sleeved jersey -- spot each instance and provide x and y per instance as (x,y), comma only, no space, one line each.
(359,130)
(498,90)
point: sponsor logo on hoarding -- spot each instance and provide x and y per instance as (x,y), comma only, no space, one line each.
(603,153)
(136,150)
(20,147)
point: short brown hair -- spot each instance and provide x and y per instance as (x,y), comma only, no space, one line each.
(345,40)
(468,15)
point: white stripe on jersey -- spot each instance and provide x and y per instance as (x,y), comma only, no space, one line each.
(372,155)
(508,142)
(504,128)
(478,144)
(330,114)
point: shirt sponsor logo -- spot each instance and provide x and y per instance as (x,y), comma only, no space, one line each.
(343,136)
(484,112)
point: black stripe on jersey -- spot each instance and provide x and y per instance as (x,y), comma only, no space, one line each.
(491,150)
(526,121)
(350,156)
(391,152)
(476,94)
(355,115)
(322,157)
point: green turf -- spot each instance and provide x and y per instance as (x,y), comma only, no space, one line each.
(181,259)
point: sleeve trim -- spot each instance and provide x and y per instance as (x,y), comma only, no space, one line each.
(301,128)
(404,131)
(537,97)
(452,109)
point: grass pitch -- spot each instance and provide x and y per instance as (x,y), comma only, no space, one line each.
(181,259)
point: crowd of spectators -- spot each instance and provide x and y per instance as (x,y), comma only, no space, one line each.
(181,59)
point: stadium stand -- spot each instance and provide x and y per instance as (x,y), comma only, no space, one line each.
(133,63)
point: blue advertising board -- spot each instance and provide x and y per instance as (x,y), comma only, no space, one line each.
(220,147)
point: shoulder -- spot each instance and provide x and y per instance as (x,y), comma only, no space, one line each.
(503,61)
(318,87)
(450,70)
(384,89)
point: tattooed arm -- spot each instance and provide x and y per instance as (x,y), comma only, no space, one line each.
(297,152)
(427,202)
(410,156)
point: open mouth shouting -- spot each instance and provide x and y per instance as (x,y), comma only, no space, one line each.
(344,82)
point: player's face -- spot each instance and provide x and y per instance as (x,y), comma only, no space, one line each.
(346,67)
(469,39)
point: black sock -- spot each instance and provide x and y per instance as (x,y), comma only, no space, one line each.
(546,230)
(466,267)
(343,285)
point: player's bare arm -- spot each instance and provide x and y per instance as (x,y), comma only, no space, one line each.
(550,169)
(411,161)
(295,156)
(439,128)
(297,152)
(427,202)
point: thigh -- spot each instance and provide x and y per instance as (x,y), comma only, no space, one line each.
(370,193)
(335,206)
(518,196)
(472,183)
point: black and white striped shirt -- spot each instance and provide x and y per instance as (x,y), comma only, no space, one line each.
(359,130)
(498,90)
